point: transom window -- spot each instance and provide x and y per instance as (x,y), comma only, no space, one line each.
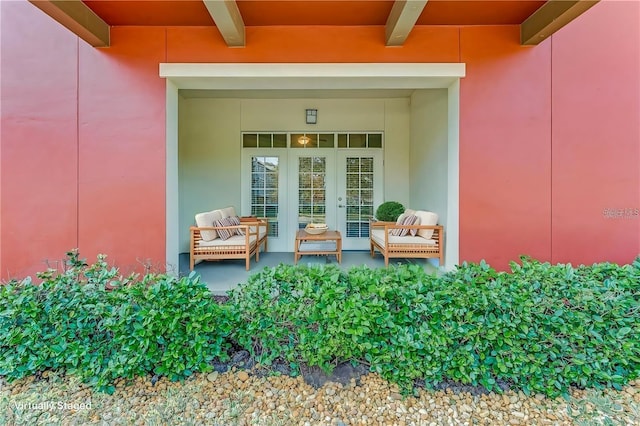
(311,140)
(359,140)
(264,140)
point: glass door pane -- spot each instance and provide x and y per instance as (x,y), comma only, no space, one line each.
(359,201)
(264,190)
(312,189)
(359,189)
(312,182)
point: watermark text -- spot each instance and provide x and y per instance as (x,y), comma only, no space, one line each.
(52,406)
(621,213)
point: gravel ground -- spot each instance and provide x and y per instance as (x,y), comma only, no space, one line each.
(239,397)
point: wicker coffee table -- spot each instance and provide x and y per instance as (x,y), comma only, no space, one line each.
(327,243)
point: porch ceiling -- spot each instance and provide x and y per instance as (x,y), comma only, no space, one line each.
(90,19)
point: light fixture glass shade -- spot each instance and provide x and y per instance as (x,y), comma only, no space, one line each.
(304,140)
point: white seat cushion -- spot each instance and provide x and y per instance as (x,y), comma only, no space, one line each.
(228,212)
(263,230)
(234,241)
(426,218)
(378,236)
(206,219)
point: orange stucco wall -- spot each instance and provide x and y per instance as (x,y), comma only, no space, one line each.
(596,136)
(121,133)
(548,134)
(505,147)
(38,139)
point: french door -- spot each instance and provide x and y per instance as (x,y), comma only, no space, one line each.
(359,190)
(312,189)
(339,186)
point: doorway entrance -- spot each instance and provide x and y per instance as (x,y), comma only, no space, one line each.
(340,188)
(293,187)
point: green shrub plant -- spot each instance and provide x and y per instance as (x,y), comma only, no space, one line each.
(389,211)
(89,321)
(540,327)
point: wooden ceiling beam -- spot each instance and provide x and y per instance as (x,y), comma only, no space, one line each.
(226,15)
(401,20)
(549,18)
(77,17)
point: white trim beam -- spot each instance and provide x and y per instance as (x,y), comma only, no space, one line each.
(552,16)
(401,20)
(77,17)
(290,76)
(226,15)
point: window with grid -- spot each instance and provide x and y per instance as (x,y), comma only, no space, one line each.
(312,205)
(359,203)
(359,140)
(313,140)
(264,140)
(264,190)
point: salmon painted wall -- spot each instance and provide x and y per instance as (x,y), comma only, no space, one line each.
(38,140)
(121,177)
(83,132)
(505,147)
(82,145)
(550,141)
(596,136)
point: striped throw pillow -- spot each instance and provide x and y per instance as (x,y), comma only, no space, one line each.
(235,220)
(223,233)
(414,231)
(407,220)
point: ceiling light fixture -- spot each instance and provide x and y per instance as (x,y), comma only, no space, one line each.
(304,140)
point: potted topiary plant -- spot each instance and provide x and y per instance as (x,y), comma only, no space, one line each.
(389,211)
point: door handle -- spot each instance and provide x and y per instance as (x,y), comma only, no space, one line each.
(342,206)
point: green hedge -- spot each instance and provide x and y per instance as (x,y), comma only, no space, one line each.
(541,327)
(91,322)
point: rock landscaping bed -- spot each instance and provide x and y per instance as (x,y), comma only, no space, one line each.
(254,397)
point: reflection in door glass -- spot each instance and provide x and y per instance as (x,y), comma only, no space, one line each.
(311,190)
(359,203)
(264,190)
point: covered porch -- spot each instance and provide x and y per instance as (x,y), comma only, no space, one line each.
(224,275)
(383,132)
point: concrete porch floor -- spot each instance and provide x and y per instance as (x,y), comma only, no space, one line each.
(224,275)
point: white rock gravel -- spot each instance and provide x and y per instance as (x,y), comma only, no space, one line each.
(238,398)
